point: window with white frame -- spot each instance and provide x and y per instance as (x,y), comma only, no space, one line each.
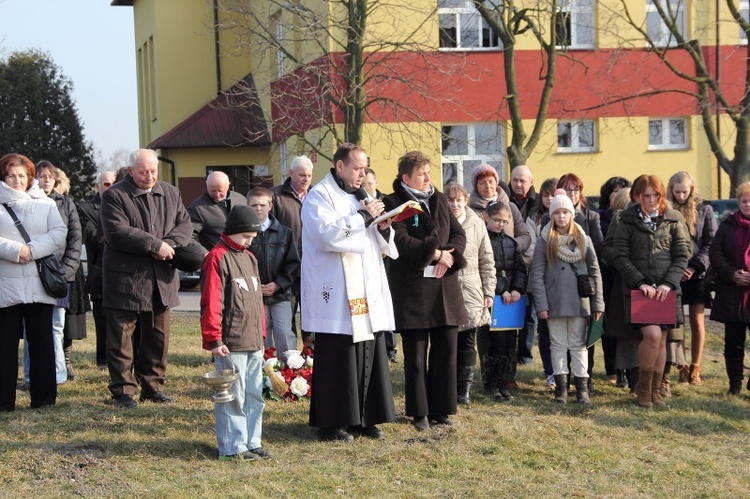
(467,146)
(462,26)
(657,30)
(574,24)
(667,133)
(745,13)
(576,136)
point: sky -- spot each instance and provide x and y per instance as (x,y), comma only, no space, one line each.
(93,44)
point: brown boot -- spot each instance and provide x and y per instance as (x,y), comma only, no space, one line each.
(665,392)
(695,374)
(656,385)
(684,374)
(643,389)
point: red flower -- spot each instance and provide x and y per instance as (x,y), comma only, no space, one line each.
(269,353)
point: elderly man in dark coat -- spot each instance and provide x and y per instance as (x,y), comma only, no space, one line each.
(208,213)
(143,220)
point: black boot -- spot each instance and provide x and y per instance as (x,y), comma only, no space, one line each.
(734,372)
(582,390)
(465,382)
(68,364)
(504,373)
(561,389)
(622,379)
(489,378)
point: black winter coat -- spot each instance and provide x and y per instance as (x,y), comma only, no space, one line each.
(278,260)
(287,210)
(727,305)
(509,267)
(71,255)
(424,302)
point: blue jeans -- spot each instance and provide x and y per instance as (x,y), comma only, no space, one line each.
(279,332)
(58,326)
(239,422)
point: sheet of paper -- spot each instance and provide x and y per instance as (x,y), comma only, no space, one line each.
(429,271)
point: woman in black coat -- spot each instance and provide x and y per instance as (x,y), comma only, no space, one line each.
(730,259)
(427,298)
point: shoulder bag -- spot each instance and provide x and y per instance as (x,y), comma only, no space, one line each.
(50,267)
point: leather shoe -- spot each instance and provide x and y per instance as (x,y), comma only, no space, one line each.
(334,434)
(125,402)
(372,432)
(421,423)
(261,452)
(441,420)
(156,397)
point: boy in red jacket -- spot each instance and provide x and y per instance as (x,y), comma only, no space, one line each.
(233,325)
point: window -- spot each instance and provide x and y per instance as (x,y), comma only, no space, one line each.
(745,13)
(467,146)
(667,133)
(242,178)
(576,136)
(657,29)
(462,27)
(574,23)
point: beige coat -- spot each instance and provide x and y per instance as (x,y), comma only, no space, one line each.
(478,277)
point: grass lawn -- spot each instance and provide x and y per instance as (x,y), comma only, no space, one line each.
(698,446)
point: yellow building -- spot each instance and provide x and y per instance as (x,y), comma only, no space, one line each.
(247,97)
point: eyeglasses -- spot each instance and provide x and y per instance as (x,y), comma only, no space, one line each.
(500,221)
(572,191)
(45,177)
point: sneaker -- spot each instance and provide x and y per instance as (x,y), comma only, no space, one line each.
(261,452)
(125,402)
(243,456)
(551,383)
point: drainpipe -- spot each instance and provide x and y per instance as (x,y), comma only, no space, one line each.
(172,170)
(217,47)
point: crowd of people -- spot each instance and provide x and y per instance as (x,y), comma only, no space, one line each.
(359,274)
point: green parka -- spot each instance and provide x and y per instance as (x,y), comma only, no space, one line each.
(645,256)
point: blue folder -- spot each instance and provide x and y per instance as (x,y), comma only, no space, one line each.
(506,317)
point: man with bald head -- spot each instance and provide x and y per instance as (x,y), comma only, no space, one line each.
(88,212)
(522,190)
(142,220)
(208,213)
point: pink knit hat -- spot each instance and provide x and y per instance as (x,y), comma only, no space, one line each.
(561,202)
(483,169)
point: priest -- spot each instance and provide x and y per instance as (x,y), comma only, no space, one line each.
(346,302)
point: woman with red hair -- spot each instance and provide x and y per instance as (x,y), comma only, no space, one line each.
(650,251)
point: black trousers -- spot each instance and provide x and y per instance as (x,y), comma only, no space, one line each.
(37,320)
(735,334)
(146,361)
(100,325)
(430,370)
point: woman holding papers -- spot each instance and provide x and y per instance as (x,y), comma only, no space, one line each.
(730,259)
(562,254)
(427,299)
(650,251)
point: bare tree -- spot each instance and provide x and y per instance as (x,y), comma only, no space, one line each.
(510,20)
(666,37)
(346,62)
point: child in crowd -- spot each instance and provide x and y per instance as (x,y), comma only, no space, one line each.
(279,266)
(497,349)
(562,253)
(233,325)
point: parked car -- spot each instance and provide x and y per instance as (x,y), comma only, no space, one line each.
(723,207)
(189,280)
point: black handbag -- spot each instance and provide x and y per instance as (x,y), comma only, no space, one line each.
(49,267)
(586,285)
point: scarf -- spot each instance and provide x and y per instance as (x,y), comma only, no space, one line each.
(742,250)
(564,252)
(650,220)
(422,197)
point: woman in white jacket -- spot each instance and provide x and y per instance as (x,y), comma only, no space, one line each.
(23,300)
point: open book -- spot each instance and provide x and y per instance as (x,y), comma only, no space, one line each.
(400,212)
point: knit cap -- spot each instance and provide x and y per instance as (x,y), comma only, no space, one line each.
(561,202)
(241,219)
(484,168)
